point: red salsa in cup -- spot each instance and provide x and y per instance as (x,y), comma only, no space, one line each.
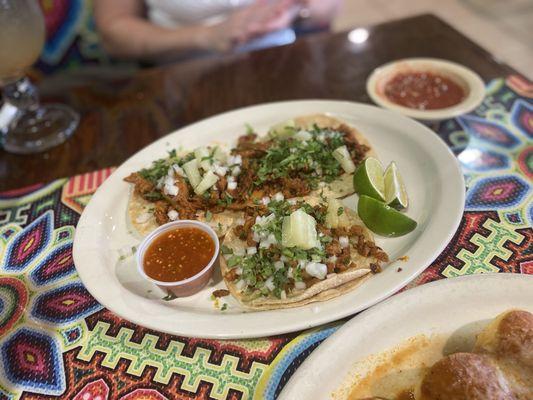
(178,254)
(423,91)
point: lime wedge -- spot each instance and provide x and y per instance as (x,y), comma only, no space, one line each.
(382,219)
(395,193)
(368,179)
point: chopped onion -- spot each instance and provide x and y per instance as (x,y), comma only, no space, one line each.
(235,160)
(278,265)
(143,218)
(192,172)
(251,250)
(265,200)
(220,155)
(269,284)
(343,157)
(178,170)
(232,185)
(317,270)
(170,188)
(300,285)
(219,169)
(303,136)
(240,285)
(344,241)
(236,171)
(207,181)
(173,215)
(278,196)
(269,241)
(283,295)
(239,251)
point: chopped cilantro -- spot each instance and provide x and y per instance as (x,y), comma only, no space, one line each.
(234,260)
(225,249)
(153,196)
(159,168)
(340,211)
(208,216)
(169,296)
(287,157)
(226,199)
(224,307)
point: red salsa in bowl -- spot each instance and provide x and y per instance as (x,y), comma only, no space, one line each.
(179,257)
(426,89)
(423,90)
(178,254)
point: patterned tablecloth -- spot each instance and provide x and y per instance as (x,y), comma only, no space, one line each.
(56,340)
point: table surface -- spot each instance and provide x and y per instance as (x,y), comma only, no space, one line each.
(57,341)
(122,116)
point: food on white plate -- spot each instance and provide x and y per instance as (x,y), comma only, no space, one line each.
(288,253)
(301,157)
(382,195)
(498,367)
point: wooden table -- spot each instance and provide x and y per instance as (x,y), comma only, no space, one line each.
(123,116)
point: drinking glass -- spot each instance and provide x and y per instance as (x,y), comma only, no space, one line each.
(32,127)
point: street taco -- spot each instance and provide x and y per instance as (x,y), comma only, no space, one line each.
(297,158)
(290,253)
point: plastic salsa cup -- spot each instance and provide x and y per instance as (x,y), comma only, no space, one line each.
(188,286)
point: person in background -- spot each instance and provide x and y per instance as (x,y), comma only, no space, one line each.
(164,30)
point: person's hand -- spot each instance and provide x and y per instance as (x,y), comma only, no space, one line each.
(261,17)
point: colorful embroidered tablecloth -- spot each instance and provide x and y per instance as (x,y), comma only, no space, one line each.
(57,341)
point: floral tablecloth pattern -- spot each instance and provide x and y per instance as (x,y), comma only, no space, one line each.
(57,341)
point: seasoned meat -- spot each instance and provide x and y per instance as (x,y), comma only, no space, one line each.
(250,138)
(221,293)
(160,212)
(141,185)
(222,183)
(375,268)
(294,187)
(333,248)
(231,275)
(239,231)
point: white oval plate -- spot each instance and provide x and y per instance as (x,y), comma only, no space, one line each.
(434,182)
(464,304)
(464,76)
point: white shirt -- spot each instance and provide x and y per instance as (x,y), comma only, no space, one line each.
(174,13)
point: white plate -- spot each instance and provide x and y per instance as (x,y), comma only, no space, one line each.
(431,173)
(467,78)
(444,307)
